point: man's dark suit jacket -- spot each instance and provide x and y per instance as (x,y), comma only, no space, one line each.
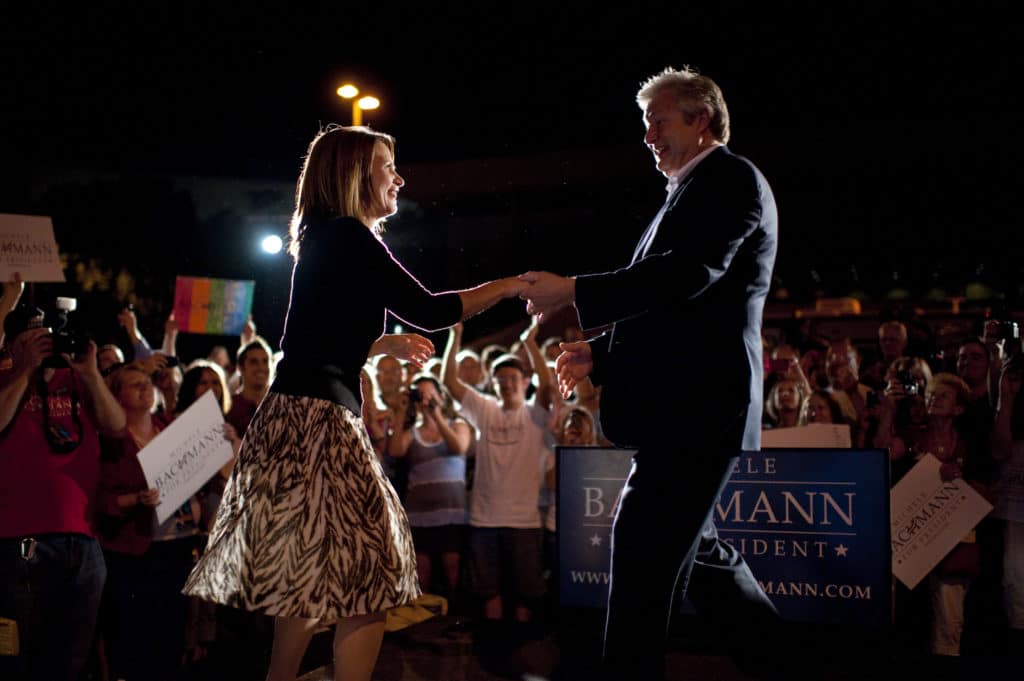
(683,358)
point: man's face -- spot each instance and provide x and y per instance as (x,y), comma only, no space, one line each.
(255,369)
(511,385)
(972,364)
(390,375)
(892,341)
(470,371)
(841,369)
(672,139)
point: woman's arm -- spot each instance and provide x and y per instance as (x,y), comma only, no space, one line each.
(478,299)
(401,437)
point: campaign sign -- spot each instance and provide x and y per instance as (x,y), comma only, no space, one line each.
(217,306)
(930,517)
(813,524)
(27,247)
(589,482)
(186,454)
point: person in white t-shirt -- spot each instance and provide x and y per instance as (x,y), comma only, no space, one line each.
(513,453)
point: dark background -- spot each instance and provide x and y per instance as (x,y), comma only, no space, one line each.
(890,137)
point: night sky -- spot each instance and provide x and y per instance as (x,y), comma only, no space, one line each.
(890,137)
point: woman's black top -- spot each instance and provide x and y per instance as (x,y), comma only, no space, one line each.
(343,282)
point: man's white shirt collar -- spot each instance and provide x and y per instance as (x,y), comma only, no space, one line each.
(678,178)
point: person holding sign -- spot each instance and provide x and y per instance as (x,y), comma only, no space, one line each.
(147,562)
(309,529)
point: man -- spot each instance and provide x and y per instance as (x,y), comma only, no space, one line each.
(704,262)
(255,371)
(892,340)
(52,408)
(512,455)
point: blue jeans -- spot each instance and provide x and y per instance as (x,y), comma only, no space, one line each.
(53,592)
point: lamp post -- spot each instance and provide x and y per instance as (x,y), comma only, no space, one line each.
(364,103)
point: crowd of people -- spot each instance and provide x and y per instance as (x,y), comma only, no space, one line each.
(469,445)
(958,405)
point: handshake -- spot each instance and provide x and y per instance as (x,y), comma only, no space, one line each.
(545,293)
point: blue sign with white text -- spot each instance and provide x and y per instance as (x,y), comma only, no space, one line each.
(813,524)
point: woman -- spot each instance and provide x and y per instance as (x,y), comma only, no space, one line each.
(321,536)
(821,407)
(783,404)
(144,613)
(434,442)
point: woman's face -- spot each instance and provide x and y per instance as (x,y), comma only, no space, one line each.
(818,410)
(136,392)
(787,397)
(428,393)
(385,182)
(577,430)
(209,381)
(941,400)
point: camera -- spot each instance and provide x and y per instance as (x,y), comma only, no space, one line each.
(67,339)
(908,381)
(415,395)
(1008,330)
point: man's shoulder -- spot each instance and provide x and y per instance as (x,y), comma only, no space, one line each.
(476,400)
(725,161)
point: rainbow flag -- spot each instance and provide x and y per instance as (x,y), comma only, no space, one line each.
(218,306)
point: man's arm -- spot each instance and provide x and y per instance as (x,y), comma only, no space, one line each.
(12,291)
(540,365)
(28,350)
(696,244)
(449,371)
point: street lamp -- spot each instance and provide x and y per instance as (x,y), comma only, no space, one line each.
(365,103)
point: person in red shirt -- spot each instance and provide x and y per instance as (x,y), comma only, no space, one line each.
(52,408)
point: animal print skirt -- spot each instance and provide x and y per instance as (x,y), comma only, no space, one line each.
(309,525)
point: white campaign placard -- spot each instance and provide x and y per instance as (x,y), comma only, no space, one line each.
(27,247)
(186,454)
(929,517)
(813,435)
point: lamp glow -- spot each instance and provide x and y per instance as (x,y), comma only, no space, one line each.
(367,103)
(272,244)
(348,91)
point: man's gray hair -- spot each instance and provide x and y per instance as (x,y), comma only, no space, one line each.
(695,93)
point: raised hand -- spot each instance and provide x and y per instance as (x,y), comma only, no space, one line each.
(248,332)
(531,331)
(29,348)
(11,292)
(126,318)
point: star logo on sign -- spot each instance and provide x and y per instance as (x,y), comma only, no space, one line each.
(841,550)
(595,540)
